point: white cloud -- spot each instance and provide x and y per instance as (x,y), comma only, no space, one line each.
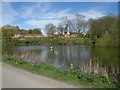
(34,10)
(8,14)
(37,15)
(60,0)
(41,14)
(58,14)
(49,17)
(92,14)
(41,23)
(43,11)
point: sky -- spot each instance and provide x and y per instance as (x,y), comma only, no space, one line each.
(28,15)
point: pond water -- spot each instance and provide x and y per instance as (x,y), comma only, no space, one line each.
(90,59)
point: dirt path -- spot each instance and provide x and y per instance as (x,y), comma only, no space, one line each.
(16,78)
(0,75)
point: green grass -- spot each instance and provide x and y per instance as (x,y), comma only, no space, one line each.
(104,41)
(0,49)
(58,41)
(0,58)
(69,76)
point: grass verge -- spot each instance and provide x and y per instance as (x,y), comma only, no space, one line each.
(70,76)
(53,41)
(0,50)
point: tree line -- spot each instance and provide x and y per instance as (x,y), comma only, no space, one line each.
(102,30)
(76,25)
(94,28)
(9,31)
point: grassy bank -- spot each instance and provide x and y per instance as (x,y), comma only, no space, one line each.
(53,41)
(69,76)
(0,50)
(66,41)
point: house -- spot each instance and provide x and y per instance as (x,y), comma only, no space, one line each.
(28,35)
(67,34)
(71,34)
(18,35)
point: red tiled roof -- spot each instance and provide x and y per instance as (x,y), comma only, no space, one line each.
(27,35)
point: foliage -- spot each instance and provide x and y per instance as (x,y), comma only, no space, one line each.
(105,29)
(8,32)
(107,40)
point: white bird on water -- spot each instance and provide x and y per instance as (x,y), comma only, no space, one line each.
(51,48)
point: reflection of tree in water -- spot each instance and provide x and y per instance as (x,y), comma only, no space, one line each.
(32,56)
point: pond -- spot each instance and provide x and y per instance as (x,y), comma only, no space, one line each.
(90,59)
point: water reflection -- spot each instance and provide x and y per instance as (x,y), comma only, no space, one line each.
(86,58)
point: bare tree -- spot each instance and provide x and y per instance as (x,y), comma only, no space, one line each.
(50,29)
(79,22)
(70,25)
(60,29)
(65,23)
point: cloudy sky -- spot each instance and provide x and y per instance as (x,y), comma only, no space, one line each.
(36,15)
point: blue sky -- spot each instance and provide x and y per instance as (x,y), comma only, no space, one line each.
(36,15)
